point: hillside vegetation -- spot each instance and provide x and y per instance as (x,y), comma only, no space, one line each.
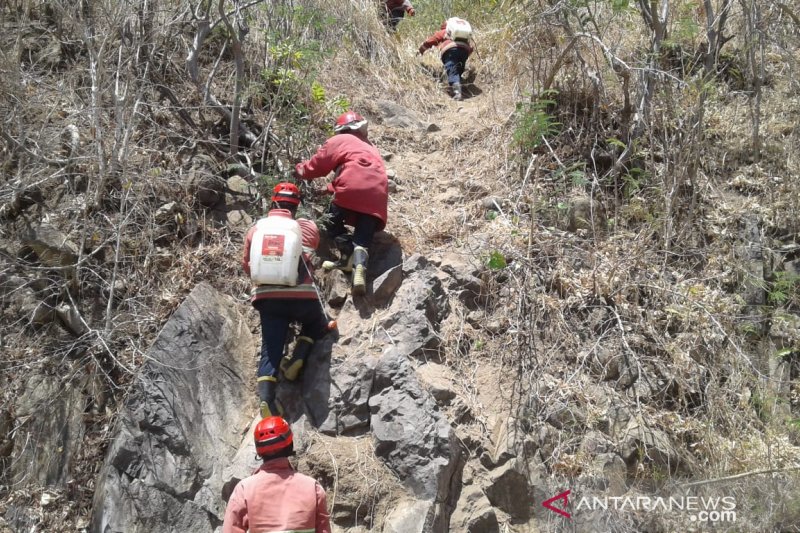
(625,174)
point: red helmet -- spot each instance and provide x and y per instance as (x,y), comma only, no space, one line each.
(272,435)
(286,192)
(350,121)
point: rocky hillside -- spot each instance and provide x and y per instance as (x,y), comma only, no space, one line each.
(590,279)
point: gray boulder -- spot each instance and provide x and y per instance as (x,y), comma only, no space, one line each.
(413,437)
(183,421)
(45,447)
(474,513)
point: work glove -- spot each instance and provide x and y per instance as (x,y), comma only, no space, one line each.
(421,50)
(411,12)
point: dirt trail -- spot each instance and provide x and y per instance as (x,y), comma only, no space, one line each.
(442,177)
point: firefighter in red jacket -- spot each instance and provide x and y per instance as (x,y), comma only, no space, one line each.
(394,12)
(360,193)
(455,53)
(280,305)
(276,497)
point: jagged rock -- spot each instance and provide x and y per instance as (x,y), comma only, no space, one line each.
(182,422)
(506,440)
(614,420)
(52,247)
(610,474)
(338,288)
(465,278)
(385,253)
(566,416)
(50,419)
(386,285)
(412,436)
(411,323)
(336,395)
(409,517)
(585,214)
(594,443)
(435,378)
(238,218)
(473,513)
(167,212)
(606,363)
(641,443)
(207,188)
(508,490)
(398,116)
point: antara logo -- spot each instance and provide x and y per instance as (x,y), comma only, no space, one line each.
(548,504)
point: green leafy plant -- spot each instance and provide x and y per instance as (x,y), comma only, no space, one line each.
(496,261)
(785,289)
(534,124)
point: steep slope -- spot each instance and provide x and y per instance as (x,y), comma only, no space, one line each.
(616,334)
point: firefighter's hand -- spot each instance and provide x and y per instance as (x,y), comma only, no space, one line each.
(411,12)
(421,50)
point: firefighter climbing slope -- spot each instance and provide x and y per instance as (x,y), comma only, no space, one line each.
(277,252)
(360,193)
(276,497)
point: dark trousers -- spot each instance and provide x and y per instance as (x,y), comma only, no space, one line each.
(276,315)
(455,61)
(364,226)
(393,17)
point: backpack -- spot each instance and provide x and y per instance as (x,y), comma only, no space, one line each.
(275,252)
(458,29)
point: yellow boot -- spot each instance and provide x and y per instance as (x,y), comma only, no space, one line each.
(360,257)
(293,364)
(267,392)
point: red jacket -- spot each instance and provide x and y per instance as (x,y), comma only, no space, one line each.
(277,499)
(394,4)
(440,39)
(305,289)
(360,183)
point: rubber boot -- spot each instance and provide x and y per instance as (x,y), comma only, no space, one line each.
(457,91)
(360,258)
(267,392)
(293,364)
(344,243)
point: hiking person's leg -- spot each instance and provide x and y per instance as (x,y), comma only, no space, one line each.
(274,329)
(314,326)
(336,231)
(363,233)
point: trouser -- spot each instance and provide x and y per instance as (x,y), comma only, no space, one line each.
(276,315)
(364,226)
(393,17)
(455,61)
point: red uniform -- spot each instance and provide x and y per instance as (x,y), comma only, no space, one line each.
(305,288)
(396,4)
(277,499)
(360,183)
(440,39)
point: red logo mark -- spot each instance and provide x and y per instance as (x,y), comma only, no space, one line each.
(563,496)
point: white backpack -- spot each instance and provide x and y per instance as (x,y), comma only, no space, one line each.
(275,251)
(458,29)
